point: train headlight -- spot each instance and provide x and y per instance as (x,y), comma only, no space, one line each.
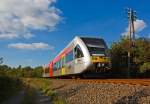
(99,64)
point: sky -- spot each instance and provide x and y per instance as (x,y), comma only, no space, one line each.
(33,32)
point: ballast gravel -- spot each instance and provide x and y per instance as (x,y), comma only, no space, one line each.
(76,92)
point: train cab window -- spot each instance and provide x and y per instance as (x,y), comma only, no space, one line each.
(96,50)
(78,52)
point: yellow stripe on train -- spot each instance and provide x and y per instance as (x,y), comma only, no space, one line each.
(96,59)
(63,71)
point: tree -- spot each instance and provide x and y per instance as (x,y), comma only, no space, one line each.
(142,51)
(118,53)
(38,71)
(27,71)
(145,67)
(140,55)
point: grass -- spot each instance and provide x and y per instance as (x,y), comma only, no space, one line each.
(44,85)
(9,86)
(29,97)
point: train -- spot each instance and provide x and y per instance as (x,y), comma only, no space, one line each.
(82,56)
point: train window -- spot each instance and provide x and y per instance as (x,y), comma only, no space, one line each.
(63,61)
(69,56)
(59,64)
(78,52)
(54,67)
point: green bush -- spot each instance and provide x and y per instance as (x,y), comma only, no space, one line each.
(145,67)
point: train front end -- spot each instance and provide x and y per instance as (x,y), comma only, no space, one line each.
(100,60)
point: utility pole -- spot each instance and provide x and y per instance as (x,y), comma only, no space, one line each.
(131,18)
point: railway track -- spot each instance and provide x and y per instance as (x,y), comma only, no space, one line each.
(143,82)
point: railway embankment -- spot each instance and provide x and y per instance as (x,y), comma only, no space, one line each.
(102,92)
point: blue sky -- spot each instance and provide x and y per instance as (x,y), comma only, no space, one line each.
(37,30)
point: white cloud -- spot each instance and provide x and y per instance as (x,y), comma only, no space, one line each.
(19,17)
(139,25)
(31,46)
(8,36)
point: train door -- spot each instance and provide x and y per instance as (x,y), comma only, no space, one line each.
(79,60)
(51,69)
